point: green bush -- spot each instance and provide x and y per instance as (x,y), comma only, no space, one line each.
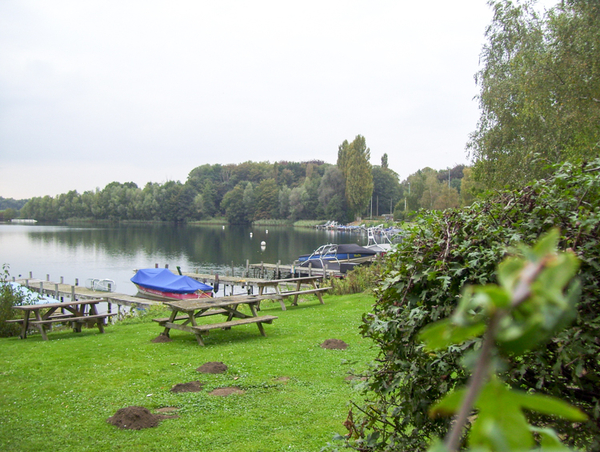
(9,297)
(361,279)
(443,252)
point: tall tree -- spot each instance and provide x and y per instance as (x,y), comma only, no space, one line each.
(353,161)
(540,91)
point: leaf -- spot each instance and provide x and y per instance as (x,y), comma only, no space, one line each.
(441,334)
(548,405)
(448,405)
(549,440)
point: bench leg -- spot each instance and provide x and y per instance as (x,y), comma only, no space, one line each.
(101,325)
(199,339)
(261,328)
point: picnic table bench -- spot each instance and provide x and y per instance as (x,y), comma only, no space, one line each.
(280,295)
(74,312)
(185,313)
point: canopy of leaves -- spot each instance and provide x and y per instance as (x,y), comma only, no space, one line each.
(540,91)
(440,254)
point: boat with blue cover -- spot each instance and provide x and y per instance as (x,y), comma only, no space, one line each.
(163,284)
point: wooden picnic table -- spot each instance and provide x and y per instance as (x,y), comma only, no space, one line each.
(75,312)
(280,295)
(185,313)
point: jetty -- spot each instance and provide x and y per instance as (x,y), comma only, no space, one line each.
(61,291)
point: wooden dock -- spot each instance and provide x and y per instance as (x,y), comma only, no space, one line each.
(60,291)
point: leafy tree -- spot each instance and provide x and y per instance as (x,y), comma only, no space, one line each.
(386,189)
(267,199)
(353,161)
(540,91)
(235,208)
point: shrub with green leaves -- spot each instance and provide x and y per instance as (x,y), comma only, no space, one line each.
(10,297)
(441,254)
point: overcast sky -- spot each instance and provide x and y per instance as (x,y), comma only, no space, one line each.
(98,91)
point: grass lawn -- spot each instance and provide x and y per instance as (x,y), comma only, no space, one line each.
(57,395)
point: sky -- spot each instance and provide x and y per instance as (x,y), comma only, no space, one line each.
(93,92)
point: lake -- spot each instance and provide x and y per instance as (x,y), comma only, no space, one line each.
(114,251)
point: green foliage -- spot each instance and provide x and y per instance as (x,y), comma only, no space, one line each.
(361,279)
(535,298)
(10,297)
(540,86)
(353,161)
(423,280)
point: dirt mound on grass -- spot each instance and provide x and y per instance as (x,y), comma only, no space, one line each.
(192,386)
(135,418)
(226,391)
(334,344)
(162,338)
(212,368)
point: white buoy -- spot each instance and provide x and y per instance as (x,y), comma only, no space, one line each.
(251,235)
(266,231)
(263,243)
(223,227)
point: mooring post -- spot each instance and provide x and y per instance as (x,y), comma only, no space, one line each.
(30,275)
(156,265)
(56,291)
(77,281)
(310,269)
(232,270)
(247,267)
(41,288)
(47,277)
(72,293)
(62,279)
(27,283)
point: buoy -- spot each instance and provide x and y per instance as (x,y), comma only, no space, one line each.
(263,243)
(266,231)
(223,227)
(251,235)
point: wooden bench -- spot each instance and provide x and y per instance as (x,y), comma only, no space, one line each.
(65,319)
(296,293)
(161,321)
(198,330)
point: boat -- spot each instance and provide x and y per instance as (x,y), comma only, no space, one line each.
(162,284)
(102,285)
(332,255)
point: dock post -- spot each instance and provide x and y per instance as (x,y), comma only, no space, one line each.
(47,277)
(72,293)
(62,279)
(56,291)
(166,265)
(30,275)
(156,265)
(262,270)
(247,268)
(310,269)
(76,281)
(27,283)
(41,288)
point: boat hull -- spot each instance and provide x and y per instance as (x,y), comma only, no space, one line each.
(170,296)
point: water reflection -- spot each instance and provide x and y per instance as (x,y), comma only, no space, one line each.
(114,251)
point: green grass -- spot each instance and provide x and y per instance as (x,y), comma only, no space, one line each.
(58,394)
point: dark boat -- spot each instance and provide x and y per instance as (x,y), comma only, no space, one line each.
(335,254)
(163,284)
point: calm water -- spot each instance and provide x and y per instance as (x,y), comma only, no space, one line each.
(113,252)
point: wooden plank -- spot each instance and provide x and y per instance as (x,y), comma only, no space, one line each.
(82,319)
(301,292)
(246,321)
(186,317)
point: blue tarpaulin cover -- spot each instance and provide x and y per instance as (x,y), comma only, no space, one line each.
(166,281)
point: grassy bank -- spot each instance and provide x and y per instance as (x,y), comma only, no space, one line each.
(58,394)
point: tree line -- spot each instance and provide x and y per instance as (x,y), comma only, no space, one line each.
(251,191)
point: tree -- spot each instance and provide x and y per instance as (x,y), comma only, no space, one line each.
(353,161)
(539,91)
(267,200)
(386,189)
(235,208)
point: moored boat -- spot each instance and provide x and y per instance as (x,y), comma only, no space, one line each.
(162,284)
(333,253)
